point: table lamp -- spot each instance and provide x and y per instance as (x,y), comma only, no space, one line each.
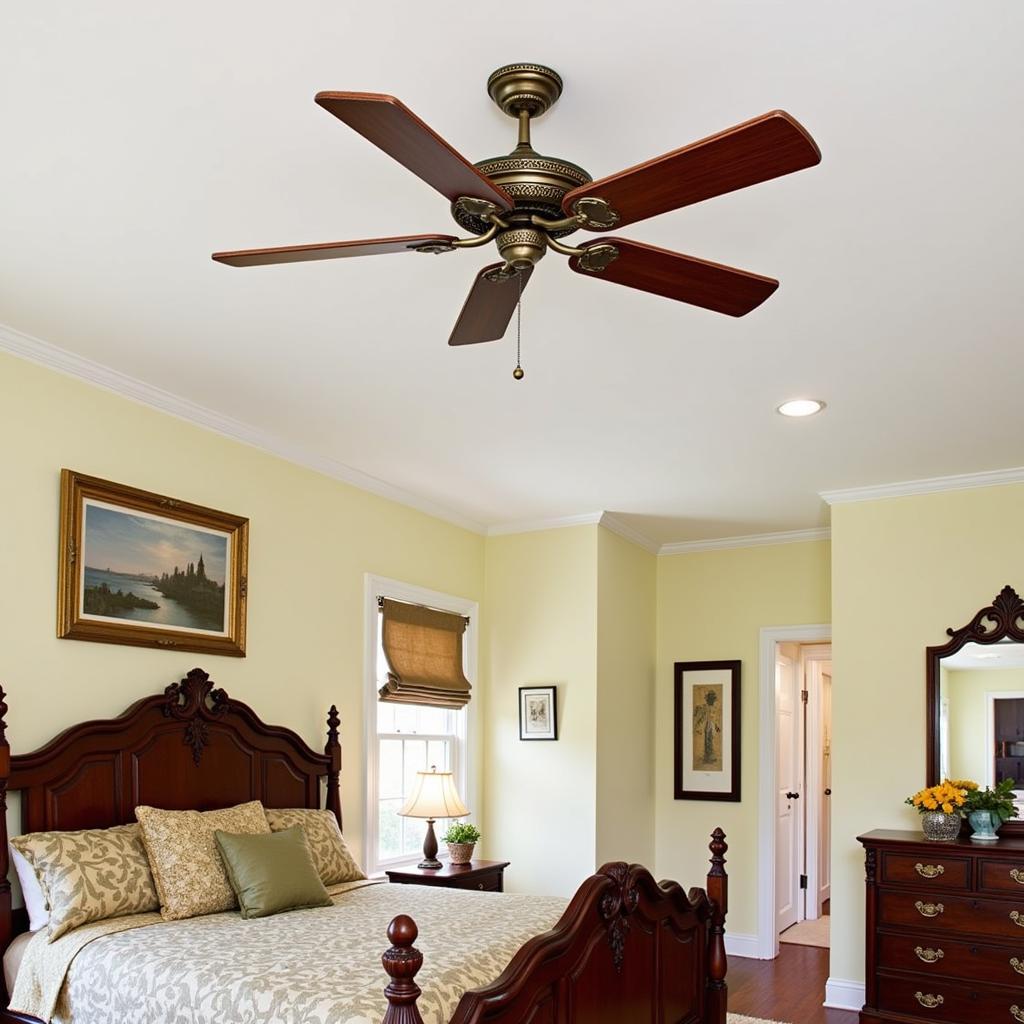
(433,796)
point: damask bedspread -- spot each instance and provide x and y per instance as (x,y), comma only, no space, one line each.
(319,966)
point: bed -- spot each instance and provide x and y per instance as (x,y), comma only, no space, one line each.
(624,948)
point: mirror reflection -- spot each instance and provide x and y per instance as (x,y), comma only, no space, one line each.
(981,717)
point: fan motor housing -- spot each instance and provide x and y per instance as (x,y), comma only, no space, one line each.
(535,182)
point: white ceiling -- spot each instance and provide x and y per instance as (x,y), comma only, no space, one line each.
(987,656)
(137,138)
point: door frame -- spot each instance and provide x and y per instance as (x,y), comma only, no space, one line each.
(767,937)
(813,654)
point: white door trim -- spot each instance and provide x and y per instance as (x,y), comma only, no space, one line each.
(767,939)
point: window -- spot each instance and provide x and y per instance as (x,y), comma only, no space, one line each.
(403,739)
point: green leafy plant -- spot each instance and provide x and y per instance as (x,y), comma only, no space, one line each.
(460,833)
(999,801)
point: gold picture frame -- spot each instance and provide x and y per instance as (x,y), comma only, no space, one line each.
(170,574)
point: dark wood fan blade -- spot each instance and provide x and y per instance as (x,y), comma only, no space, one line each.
(392,126)
(489,306)
(332,250)
(683,278)
(755,151)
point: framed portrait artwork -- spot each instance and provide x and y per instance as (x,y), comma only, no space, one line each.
(707,730)
(143,569)
(538,713)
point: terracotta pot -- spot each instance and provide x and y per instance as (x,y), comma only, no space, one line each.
(461,853)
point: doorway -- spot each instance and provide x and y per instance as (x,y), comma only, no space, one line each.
(783,829)
(803,725)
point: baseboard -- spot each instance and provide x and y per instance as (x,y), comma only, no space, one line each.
(844,995)
(741,945)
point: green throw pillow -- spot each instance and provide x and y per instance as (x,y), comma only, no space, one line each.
(271,873)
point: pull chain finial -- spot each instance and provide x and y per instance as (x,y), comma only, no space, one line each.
(518,371)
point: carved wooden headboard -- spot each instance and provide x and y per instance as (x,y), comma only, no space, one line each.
(191,746)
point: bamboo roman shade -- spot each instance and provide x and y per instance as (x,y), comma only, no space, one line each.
(423,648)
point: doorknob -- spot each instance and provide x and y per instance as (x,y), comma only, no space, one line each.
(792,796)
(828,792)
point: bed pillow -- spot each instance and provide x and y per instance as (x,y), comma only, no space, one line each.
(330,855)
(187,867)
(31,891)
(271,873)
(89,875)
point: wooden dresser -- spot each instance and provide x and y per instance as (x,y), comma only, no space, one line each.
(945,930)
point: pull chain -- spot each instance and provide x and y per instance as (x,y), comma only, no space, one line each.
(518,371)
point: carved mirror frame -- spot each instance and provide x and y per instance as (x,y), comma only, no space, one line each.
(1002,619)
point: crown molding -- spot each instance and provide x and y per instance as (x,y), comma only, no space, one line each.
(752,540)
(553,523)
(612,522)
(68,363)
(929,485)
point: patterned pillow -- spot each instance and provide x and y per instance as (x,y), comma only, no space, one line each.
(333,862)
(187,867)
(90,875)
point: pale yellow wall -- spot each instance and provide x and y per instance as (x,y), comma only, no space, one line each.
(311,541)
(539,796)
(626,620)
(903,570)
(711,607)
(967,690)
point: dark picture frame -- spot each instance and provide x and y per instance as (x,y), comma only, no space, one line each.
(528,724)
(146,570)
(713,681)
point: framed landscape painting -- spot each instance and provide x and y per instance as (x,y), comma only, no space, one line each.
(147,570)
(707,730)
(538,713)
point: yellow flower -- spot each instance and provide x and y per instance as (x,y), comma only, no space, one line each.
(948,808)
(931,803)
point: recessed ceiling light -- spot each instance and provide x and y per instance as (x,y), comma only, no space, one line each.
(801,407)
(988,654)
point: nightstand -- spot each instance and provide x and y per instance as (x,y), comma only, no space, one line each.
(486,875)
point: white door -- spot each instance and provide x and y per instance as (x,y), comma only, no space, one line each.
(788,842)
(825,847)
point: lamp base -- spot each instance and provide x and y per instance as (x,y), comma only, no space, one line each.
(430,861)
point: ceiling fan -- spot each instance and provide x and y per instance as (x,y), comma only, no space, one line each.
(526,202)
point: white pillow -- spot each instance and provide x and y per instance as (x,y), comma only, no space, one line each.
(32,891)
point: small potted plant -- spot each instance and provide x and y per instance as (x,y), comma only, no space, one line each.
(461,839)
(987,809)
(941,809)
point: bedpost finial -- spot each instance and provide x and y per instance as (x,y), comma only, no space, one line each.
(718,847)
(402,962)
(333,724)
(3,715)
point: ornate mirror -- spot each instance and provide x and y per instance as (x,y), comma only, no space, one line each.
(976,700)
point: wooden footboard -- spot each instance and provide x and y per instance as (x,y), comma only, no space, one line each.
(627,949)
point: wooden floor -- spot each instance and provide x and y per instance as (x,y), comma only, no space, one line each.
(790,988)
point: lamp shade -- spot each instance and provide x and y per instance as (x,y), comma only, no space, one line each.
(434,796)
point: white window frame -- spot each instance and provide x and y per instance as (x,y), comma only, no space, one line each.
(377,587)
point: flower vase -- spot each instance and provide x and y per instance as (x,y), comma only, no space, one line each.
(984,827)
(940,827)
(461,853)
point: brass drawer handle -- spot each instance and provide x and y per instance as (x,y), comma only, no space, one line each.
(1017,965)
(1017,1013)
(929,956)
(933,870)
(934,909)
(1017,875)
(930,1002)
(1017,918)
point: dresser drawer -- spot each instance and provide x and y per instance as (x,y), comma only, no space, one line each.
(944,958)
(491,882)
(922,911)
(951,1001)
(936,871)
(1002,876)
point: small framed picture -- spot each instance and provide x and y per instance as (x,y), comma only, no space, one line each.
(707,730)
(538,713)
(146,570)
